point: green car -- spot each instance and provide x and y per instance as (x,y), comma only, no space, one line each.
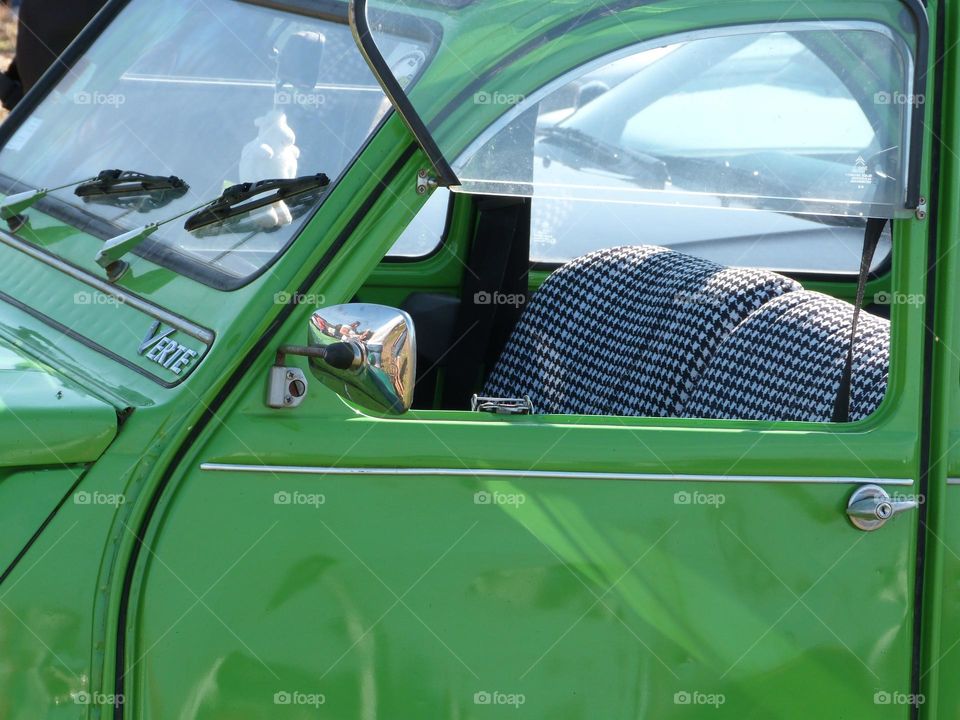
(469,359)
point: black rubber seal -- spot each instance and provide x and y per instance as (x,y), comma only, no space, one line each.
(929,346)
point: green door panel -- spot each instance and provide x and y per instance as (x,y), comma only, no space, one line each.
(441,271)
(638,590)
(414,597)
(635,590)
(47,420)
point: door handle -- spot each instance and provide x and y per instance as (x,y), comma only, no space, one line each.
(871,506)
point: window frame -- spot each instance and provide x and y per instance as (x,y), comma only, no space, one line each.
(421,129)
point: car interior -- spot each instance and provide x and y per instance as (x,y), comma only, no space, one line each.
(632,330)
(609,251)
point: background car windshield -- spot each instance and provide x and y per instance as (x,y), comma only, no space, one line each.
(217,92)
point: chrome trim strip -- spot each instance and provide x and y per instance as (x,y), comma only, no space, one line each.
(83,340)
(156,312)
(544,474)
(953,481)
(226,82)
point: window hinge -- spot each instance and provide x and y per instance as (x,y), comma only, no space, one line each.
(425,182)
(922,208)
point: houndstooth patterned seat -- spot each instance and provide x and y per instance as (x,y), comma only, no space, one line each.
(785,361)
(626,331)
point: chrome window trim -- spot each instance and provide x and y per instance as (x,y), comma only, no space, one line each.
(544,474)
(228,82)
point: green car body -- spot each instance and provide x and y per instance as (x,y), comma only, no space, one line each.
(174,547)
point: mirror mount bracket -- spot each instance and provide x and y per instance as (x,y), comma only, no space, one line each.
(287,385)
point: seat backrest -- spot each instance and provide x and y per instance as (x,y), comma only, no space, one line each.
(784,362)
(626,331)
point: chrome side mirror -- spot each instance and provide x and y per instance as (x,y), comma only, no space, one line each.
(367,354)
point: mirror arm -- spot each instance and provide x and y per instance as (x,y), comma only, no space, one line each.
(300,350)
(340,355)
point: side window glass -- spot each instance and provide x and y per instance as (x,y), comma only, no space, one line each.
(763,149)
(425,232)
(762,239)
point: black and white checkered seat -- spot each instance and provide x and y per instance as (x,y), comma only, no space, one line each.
(784,362)
(626,331)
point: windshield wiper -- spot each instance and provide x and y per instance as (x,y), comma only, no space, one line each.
(12,207)
(125,182)
(243,198)
(235,200)
(617,157)
(127,188)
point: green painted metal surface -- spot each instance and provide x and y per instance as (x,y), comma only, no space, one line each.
(47,420)
(27,497)
(416,598)
(453,595)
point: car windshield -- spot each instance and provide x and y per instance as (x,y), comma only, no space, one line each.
(217,93)
(807,115)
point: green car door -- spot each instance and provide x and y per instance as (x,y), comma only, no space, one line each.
(325,560)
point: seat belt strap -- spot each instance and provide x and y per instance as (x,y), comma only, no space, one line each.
(515,287)
(871,238)
(499,255)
